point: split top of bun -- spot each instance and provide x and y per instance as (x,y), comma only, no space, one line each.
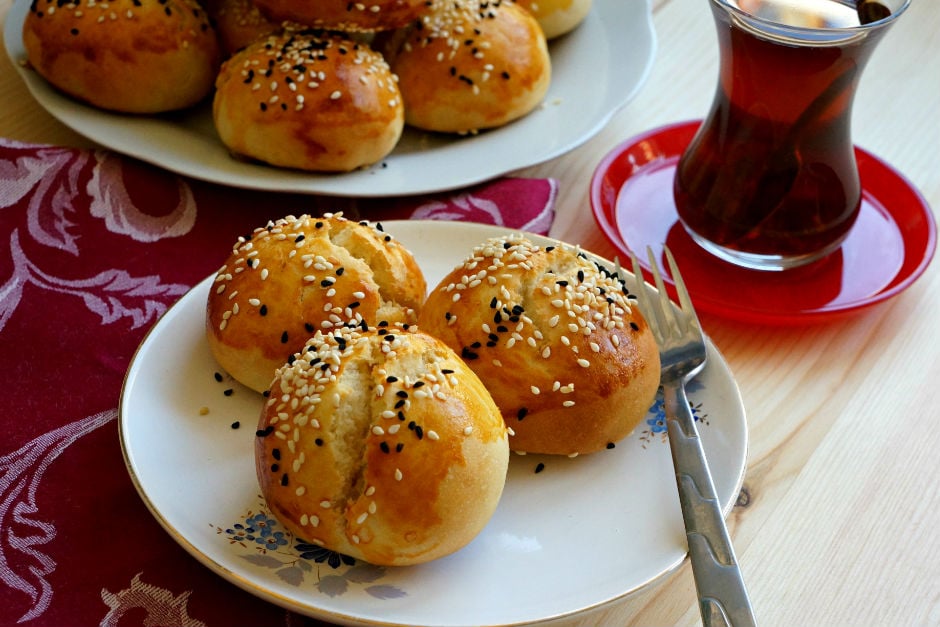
(381,444)
(296,275)
(556,338)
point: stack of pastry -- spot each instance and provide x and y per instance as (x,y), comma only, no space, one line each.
(389,441)
(325,85)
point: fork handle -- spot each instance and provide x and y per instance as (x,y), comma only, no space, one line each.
(723,598)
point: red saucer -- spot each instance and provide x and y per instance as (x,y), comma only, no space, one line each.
(889,247)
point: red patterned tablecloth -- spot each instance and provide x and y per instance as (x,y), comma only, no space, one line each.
(94,247)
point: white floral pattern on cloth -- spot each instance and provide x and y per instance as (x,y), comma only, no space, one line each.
(162,608)
(47,182)
(468,206)
(112,203)
(52,221)
(24,530)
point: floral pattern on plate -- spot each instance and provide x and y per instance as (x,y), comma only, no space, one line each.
(263,542)
(656,416)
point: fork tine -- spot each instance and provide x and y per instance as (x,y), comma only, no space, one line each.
(651,312)
(685,301)
(665,305)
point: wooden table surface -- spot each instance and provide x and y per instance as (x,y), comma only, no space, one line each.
(837,520)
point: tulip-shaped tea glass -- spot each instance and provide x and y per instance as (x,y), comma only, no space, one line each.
(770,179)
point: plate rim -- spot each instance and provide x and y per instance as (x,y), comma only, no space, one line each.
(319,612)
(370,182)
(607,221)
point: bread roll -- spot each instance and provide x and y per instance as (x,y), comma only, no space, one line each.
(556,339)
(132,56)
(470,65)
(343,15)
(309,100)
(300,274)
(239,23)
(381,445)
(557,17)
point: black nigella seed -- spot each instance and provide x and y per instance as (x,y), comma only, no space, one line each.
(522,413)
(539,467)
(419,431)
(264,310)
(384,447)
(318,441)
(218,377)
(263,433)
(399,447)
(229,392)
(275,453)
(391,379)
(309,328)
(419,384)
(634,326)
(275,467)
(284,479)
(284,337)
(236,424)
(610,445)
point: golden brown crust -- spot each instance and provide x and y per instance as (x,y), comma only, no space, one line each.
(557,17)
(569,360)
(132,56)
(300,274)
(343,15)
(381,445)
(469,66)
(239,23)
(310,100)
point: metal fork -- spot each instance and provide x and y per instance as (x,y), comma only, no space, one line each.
(722,596)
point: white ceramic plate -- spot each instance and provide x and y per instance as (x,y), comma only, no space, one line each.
(581,532)
(596,70)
